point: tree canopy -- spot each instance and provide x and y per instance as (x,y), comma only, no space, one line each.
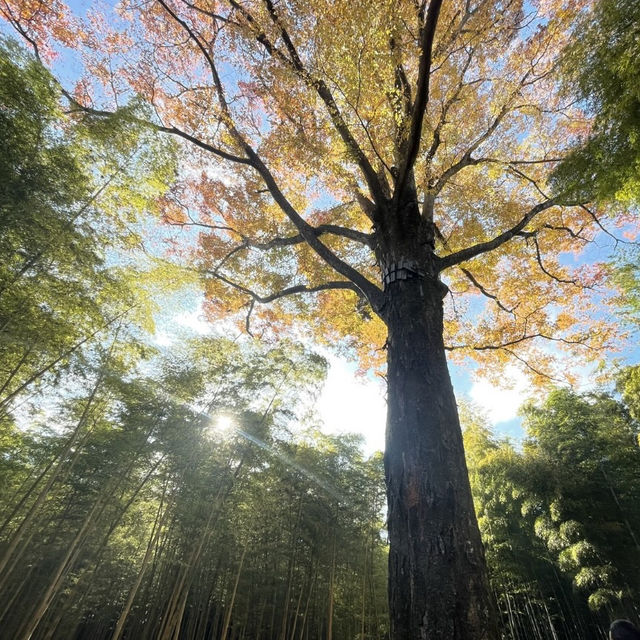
(381,177)
(559,515)
(306,111)
(71,196)
(601,69)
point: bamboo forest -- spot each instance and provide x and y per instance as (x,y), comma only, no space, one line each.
(211,208)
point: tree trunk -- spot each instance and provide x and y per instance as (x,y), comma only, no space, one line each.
(291,562)
(332,577)
(153,539)
(227,618)
(55,581)
(58,463)
(312,585)
(294,624)
(364,593)
(438,586)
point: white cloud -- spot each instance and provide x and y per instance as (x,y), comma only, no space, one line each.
(349,404)
(500,403)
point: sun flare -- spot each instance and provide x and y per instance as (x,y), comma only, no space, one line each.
(222,423)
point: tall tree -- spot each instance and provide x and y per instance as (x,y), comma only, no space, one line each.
(601,68)
(68,197)
(588,445)
(157,522)
(522,576)
(559,515)
(351,166)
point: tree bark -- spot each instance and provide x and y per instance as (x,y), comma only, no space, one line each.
(438,586)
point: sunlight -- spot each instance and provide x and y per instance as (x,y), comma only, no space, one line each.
(221,424)
(224,423)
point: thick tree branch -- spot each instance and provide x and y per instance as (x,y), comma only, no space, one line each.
(225,155)
(289,291)
(202,225)
(467,159)
(422,96)
(401,101)
(373,294)
(173,130)
(521,162)
(354,107)
(515,341)
(5,11)
(505,347)
(226,111)
(482,247)
(531,367)
(453,33)
(529,179)
(210,14)
(455,96)
(333,229)
(601,226)
(574,234)
(285,241)
(232,252)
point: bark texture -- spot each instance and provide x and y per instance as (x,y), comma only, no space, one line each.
(438,586)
